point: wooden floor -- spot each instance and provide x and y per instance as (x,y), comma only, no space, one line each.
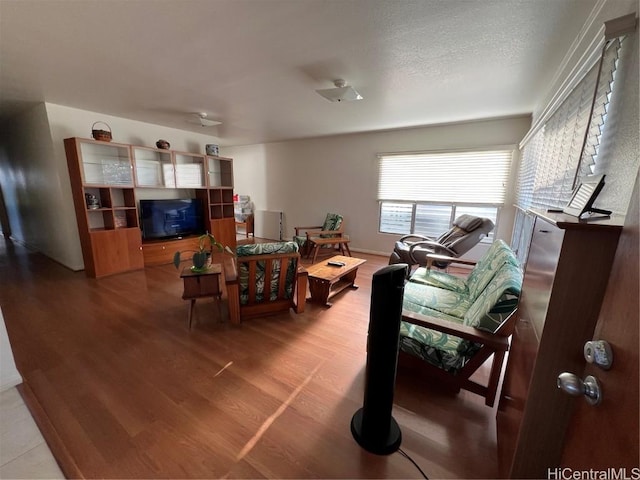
(122,389)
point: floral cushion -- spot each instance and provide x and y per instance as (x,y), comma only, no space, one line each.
(425,298)
(500,297)
(497,255)
(333,221)
(300,240)
(435,347)
(263,249)
(493,305)
(439,279)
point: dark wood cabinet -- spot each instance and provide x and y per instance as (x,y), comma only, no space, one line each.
(564,283)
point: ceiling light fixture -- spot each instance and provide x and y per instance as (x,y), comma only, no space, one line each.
(342,92)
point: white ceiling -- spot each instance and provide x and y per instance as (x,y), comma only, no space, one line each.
(255,64)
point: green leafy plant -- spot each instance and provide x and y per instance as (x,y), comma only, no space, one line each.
(206,244)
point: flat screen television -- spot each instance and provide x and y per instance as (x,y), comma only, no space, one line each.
(171,218)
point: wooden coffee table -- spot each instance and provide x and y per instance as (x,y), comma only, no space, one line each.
(326,280)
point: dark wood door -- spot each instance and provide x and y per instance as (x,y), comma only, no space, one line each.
(607,436)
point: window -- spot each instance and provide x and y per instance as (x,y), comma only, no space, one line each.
(424,193)
(563,145)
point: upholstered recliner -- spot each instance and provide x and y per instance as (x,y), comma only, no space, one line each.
(264,278)
(466,232)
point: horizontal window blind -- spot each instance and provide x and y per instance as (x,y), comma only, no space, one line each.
(566,146)
(452,177)
(600,107)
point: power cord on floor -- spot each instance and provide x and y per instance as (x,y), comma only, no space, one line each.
(405,455)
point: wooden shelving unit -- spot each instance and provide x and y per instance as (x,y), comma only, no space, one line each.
(109,230)
(104,179)
(154,167)
(218,199)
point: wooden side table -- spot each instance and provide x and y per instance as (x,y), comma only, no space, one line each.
(342,241)
(201,284)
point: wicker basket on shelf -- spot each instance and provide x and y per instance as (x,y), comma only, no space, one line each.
(102,135)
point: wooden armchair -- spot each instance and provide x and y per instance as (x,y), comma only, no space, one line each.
(330,233)
(487,344)
(263,279)
(451,326)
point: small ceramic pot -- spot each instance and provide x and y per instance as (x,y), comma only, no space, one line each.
(212,149)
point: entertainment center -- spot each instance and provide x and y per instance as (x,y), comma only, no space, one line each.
(135,206)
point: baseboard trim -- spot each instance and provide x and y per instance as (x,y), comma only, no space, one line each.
(62,456)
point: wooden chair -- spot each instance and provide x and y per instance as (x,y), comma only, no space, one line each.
(451,326)
(332,228)
(255,282)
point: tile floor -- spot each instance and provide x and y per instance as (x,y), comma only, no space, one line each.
(23,451)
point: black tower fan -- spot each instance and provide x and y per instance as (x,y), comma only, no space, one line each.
(372,426)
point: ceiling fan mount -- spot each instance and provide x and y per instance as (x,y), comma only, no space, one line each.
(201,118)
(341,93)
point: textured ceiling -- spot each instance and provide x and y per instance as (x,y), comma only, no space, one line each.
(255,65)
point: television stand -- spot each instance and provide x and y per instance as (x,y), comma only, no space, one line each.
(160,252)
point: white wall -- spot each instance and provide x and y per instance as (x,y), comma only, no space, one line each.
(35,178)
(308,178)
(35,184)
(9,375)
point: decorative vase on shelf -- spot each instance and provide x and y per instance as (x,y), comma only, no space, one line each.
(212,149)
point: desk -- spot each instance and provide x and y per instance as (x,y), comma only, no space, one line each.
(325,280)
(201,284)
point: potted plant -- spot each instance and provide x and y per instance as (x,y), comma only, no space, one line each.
(206,244)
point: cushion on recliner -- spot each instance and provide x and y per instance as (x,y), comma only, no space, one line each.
(468,222)
(451,236)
